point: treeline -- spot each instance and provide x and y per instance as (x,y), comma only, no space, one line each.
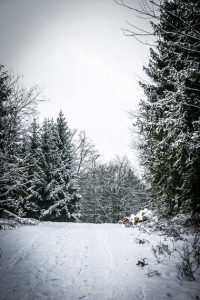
(50,172)
(111,191)
(168,121)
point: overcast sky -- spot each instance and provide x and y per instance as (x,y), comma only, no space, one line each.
(75,48)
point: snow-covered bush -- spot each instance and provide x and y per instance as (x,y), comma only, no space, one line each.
(190,254)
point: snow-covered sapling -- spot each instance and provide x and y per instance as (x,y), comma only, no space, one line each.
(154,250)
(161,248)
(152,273)
(141,263)
(141,241)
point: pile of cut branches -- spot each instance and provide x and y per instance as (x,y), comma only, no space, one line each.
(9,220)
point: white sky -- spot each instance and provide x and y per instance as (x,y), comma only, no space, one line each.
(76,49)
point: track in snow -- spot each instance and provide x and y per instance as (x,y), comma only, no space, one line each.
(67,261)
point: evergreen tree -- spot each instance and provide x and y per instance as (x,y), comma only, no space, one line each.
(67,173)
(46,165)
(169,116)
(17,105)
(35,176)
(61,202)
(4,147)
(12,169)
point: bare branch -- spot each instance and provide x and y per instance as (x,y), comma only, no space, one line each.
(134,35)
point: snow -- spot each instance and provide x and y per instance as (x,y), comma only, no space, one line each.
(148,214)
(74,261)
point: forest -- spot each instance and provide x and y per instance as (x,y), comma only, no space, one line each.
(168,119)
(51,172)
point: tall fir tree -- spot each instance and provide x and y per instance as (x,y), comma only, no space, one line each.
(12,168)
(4,148)
(169,117)
(35,176)
(61,200)
(17,107)
(45,163)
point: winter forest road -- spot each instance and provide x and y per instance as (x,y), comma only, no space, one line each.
(67,261)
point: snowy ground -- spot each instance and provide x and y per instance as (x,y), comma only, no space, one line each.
(67,261)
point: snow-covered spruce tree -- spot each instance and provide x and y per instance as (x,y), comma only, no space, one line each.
(32,155)
(17,104)
(60,200)
(67,173)
(169,116)
(5,92)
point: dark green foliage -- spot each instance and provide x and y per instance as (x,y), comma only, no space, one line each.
(4,113)
(11,166)
(36,170)
(169,117)
(17,107)
(41,168)
(35,177)
(60,200)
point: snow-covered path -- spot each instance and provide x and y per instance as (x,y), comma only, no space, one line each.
(84,261)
